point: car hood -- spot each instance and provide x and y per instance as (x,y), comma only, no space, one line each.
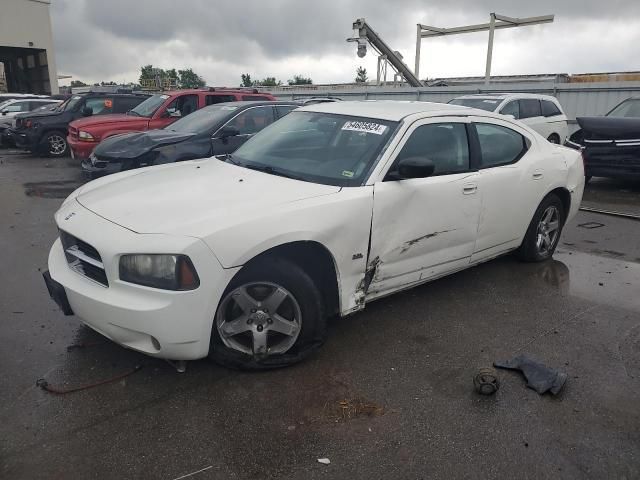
(40,115)
(132,145)
(119,118)
(609,128)
(192,198)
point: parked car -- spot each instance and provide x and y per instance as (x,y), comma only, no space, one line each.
(543,113)
(611,144)
(331,207)
(213,130)
(46,132)
(157,111)
(10,108)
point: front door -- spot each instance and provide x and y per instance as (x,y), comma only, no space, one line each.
(425,227)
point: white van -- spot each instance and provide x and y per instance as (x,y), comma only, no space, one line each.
(543,113)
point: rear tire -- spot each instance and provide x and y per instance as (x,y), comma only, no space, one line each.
(277,332)
(544,231)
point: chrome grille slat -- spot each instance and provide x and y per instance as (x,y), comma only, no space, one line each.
(83,258)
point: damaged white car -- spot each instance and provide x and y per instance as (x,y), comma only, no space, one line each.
(244,257)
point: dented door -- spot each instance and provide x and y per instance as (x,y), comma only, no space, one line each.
(422,228)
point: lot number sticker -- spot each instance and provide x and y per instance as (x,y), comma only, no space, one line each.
(366,127)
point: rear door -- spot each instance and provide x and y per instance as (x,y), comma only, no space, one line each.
(512,182)
(425,227)
(531,115)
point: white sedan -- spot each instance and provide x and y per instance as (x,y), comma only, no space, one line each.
(243,257)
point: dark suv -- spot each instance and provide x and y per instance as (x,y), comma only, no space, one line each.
(46,132)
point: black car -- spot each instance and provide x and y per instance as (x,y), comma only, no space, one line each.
(611,144)
(214,130)
(46,132)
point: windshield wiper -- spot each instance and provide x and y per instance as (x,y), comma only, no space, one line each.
(272,171)
(229,158)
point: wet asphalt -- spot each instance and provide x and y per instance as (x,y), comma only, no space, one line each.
(390,396)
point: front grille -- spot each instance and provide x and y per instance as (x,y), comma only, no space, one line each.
(83,258)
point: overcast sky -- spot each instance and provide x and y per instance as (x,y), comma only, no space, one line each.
(109,40)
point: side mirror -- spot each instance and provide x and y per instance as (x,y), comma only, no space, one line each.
(226,132)
(413,167)
(4,112)
(87,112)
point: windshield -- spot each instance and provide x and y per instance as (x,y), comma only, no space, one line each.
(70,103)
(628,108)
(203,120)
(149,106)
(318,147)
(488,104)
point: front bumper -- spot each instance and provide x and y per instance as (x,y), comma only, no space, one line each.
(80,150)
(160,323)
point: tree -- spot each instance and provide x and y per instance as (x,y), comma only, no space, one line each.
(361,75)
(190,79)
(77,83)
(246,80)
(299,80)
(268,82)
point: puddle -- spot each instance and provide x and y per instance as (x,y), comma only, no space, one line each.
(598,279)
(55,189)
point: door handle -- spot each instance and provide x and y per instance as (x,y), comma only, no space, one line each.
(469,188)
(537,175)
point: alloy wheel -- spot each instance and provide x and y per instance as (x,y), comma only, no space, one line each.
(57,145)
(260,319)
(548,230)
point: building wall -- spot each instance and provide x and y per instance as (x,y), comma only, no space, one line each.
(27,24)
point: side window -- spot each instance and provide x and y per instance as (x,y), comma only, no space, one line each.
(550,109)
(255,98)
(529,107)
(184,105)
(282,110)
(124,104)
(100,105)
(213,99)
(252,120)
(511,108)
(445,144)
(499,145)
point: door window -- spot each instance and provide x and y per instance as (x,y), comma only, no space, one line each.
(252,120)
(282,110)
(184,105)
(445,144)
(213,99)
(100,105)
(499,145)
(511,108)
(549,109)
(529,107)
(255,98)
(124,104)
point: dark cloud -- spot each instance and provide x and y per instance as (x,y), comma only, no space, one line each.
(99,40)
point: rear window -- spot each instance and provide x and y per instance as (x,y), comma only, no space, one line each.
(549,109)
(488,104)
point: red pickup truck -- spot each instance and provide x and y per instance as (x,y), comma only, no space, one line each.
(157,111)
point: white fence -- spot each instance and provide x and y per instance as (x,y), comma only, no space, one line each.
(577,99)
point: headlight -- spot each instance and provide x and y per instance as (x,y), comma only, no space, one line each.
(86,136)
(168,272)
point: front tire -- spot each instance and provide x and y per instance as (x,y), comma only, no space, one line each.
(271,315)
(544,231)
(56,144)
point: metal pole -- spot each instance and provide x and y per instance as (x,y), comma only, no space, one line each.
(492,26)
(418,44)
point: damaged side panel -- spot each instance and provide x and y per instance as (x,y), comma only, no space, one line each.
(420,229)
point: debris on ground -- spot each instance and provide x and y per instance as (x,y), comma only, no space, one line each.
(539,377)
(349,409)
(59,390)
(486,381)
(324,461)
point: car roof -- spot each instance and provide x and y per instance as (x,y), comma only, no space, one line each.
(214,91)
(252,103)
(394,110)
(504,96)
